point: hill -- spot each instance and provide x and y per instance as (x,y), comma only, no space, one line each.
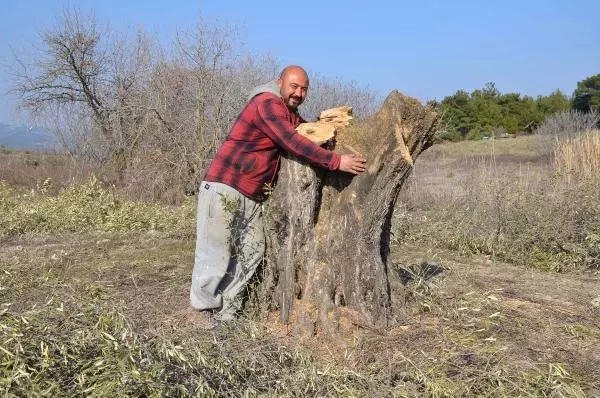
(26,137)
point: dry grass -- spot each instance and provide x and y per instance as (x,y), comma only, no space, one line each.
(29,170)
(100,310)
(523,146)
(578,157)
(512,204)
(151,180)
(104,315)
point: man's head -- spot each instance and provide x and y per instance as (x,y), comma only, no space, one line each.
(293,86)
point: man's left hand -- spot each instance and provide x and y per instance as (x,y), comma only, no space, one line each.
(351,163)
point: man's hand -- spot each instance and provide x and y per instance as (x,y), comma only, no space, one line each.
(351,163)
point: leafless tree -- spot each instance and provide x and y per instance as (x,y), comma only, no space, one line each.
(81,73)
(567,124)
(197,92)
(146,116)
(564,126)
(325,93)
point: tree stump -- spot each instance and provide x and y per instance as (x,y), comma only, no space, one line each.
(328,233)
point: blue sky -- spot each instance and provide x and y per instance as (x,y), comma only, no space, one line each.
(425,49)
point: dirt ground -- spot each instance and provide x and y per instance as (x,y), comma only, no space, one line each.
(479,321)
(525,317)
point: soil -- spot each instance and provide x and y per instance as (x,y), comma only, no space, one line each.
(477,316)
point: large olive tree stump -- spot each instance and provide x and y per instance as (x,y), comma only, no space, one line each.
(328,233)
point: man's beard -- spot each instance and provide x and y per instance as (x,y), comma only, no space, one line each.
(293,103)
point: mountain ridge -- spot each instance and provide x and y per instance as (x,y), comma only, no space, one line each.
(26,137)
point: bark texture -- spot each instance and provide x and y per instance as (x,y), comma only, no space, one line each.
(328,233)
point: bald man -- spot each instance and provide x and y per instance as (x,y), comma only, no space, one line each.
(230,241)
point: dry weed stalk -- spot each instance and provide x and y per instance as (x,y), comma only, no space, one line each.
(579,157)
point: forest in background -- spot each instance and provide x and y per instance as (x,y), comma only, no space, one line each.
(487,112)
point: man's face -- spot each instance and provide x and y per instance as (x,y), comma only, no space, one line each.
(293,88)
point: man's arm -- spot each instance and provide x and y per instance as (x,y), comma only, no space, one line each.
(349,163)
(272,117)
(272,120)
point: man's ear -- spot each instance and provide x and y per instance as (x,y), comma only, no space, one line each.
(279,83)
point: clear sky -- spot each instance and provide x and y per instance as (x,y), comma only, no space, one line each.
(428,49)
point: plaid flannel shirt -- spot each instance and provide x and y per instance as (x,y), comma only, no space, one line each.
(248,160)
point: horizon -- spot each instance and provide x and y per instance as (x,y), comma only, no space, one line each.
(428,51)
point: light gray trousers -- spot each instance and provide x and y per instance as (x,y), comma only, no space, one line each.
(230,244)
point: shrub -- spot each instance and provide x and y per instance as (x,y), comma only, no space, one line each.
(568,124)
(579,157)
(449,135)
(87,207)
(534,215)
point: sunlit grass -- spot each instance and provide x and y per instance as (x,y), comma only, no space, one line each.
(579,157)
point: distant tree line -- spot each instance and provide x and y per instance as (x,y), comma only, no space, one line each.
(487,112)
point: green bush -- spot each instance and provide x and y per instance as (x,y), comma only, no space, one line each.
(449,135)
(87,207)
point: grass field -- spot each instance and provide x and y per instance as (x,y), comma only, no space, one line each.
(96,305)
(512,199)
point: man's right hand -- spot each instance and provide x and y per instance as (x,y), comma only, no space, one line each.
(351,163)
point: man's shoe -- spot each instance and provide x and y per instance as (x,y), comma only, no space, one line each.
(203,319)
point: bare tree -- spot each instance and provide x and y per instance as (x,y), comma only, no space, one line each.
(67,69)
(567,124)
(145,116)
(325,93)
(79,67)
(196,93)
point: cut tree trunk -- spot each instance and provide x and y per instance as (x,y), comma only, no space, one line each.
(328,233)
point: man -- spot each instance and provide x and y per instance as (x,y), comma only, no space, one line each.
(230,240)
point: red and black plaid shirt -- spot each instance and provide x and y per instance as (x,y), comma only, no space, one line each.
(248,160)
